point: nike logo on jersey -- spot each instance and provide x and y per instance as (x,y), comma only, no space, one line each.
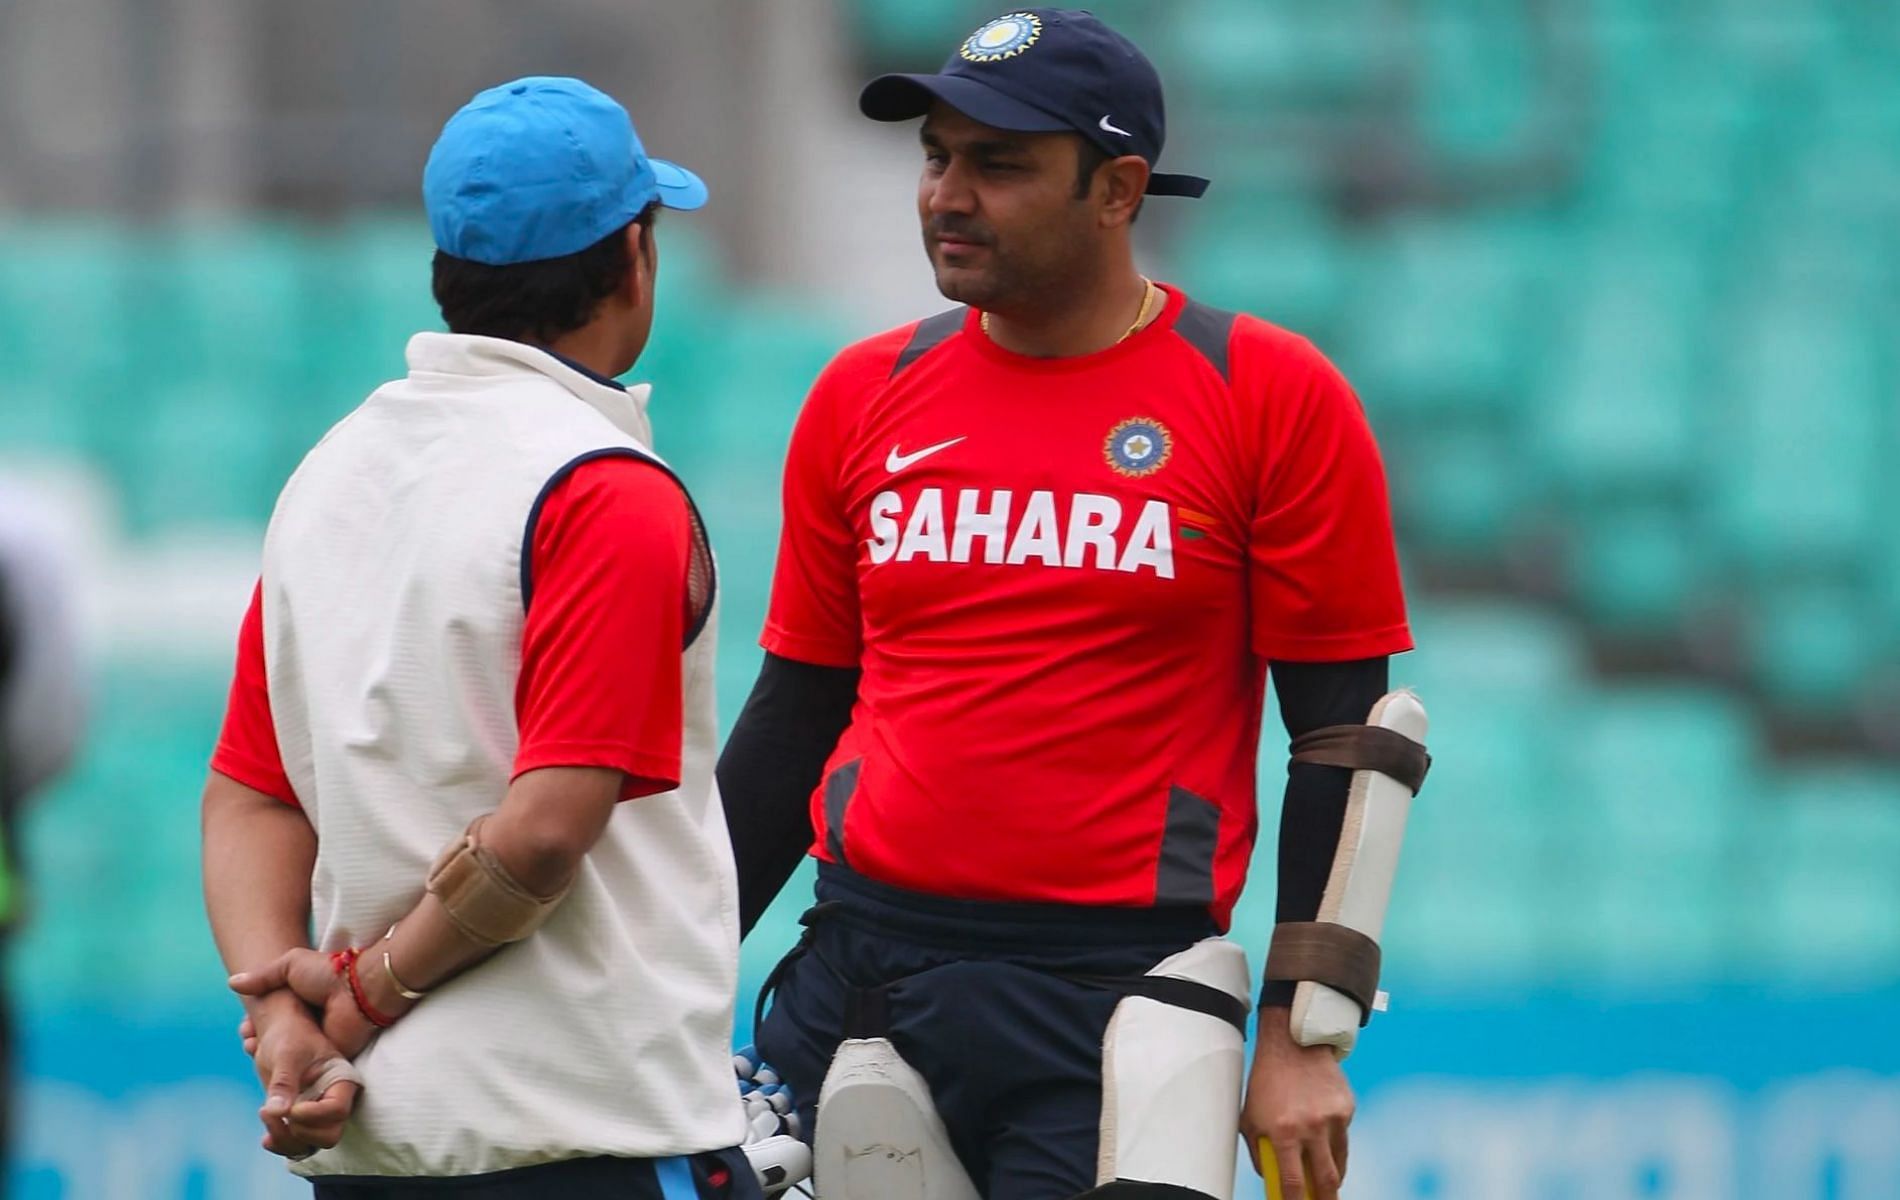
(1108,126)
(1090,536)
(897,460)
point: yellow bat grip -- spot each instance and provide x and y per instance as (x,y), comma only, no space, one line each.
(1270,1171)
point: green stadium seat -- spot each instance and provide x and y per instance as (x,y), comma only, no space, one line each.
(371,280)
(67,304)
(1810,642)
(1478,89)
(918,34)
(770,352)
(1501,684)
(1234,55)
(206,453)
(1796,469)
(1449,322)
(224,303)
(1464,922)
(1511,652)
(1617,413)
(1662,767)
(1823,847)
(1460,489)
(1638,917)
(41,417)
(1285,263)
(1636,567)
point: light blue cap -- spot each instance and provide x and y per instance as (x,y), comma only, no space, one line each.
(540,168)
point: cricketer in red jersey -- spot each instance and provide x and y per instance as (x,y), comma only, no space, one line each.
(1038,555)
(1062,578)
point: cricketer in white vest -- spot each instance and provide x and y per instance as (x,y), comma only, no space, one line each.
(393,609)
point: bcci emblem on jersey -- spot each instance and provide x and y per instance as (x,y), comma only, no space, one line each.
(1138,446)
(1005,37)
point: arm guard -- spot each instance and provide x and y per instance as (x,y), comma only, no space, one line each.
(1335,959)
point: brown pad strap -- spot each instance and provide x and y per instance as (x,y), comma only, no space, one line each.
(1322,952)
(1366,748)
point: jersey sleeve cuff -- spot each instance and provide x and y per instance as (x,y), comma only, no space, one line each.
(1341,647)
(647,773)
(819,652)
(232,765)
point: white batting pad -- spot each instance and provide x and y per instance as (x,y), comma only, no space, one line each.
(1171,1081)
(879,1136)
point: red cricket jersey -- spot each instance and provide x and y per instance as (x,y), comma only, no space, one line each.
(600,645)
(1062,579)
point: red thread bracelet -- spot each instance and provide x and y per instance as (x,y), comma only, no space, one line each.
(357,993)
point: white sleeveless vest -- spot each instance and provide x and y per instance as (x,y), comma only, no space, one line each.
(392,624)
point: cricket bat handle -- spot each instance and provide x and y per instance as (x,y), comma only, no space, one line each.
(1270,1171)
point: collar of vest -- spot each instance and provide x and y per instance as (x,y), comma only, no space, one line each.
(467,354)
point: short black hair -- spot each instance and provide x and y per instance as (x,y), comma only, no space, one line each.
(1089,158)
(534,301)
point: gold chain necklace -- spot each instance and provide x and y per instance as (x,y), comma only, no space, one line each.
(1148,291)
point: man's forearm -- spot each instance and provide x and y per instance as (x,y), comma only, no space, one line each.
(771,765)
(539,835)
(1313,696)
(258,855)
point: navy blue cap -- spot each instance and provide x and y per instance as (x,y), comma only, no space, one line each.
(1046,70)
(541,168)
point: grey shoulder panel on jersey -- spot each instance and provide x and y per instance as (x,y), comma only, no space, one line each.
(1208,330)
(930,332)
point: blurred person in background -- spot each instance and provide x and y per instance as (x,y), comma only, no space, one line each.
(1038,553)
(472,723)
(42,705)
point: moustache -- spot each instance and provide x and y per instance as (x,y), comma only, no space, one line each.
(961,230)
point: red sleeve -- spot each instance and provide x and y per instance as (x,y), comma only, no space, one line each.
(601,644)
(1324,572)
(247,746)
(813,616)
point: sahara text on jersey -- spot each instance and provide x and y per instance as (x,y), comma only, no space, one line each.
(1037,533)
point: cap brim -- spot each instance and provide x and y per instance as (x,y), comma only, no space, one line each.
(678,187)
(907,97)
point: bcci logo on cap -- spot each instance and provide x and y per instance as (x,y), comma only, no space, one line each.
(1005,37)
(1138,446)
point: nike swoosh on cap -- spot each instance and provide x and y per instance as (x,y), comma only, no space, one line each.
(897,460)
(1109,126)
